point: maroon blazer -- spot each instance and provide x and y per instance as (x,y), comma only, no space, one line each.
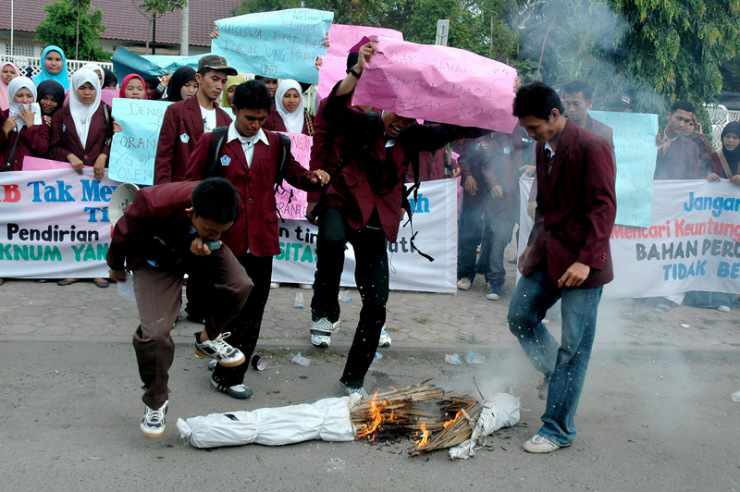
(34,141)
(372,178)
(181,129)
(156,211)
(256,224)
(65,141)
(275,123)
(601,130)
(576,207)
(678,160)
(326,148)
(715,166)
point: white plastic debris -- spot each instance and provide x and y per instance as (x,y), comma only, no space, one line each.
(126,289)
(298,302)
(736,397)
(453,359)
(328,420)
(300,360)
(500,411)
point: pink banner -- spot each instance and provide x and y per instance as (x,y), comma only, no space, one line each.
(342,37)
(439,83)
(333,69)
(36,164)
(291,202)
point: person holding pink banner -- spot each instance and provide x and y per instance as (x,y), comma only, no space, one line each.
(363,206)
(256,162)
(291,115)
(23,132)
(81,134)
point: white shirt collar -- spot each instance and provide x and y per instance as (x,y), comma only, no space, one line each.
(233,134)
(549,147)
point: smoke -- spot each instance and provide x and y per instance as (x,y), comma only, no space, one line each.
(582,40)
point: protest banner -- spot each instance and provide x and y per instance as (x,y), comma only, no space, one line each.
(291,202)
(36,164)
(134,148)
(172,63)
(342,37)
(54,224)
(279,44)
(439,83)
(435,219)
(636,153)
(126,62)
(691,244)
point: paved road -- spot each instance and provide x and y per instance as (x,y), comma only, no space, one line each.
(655,415)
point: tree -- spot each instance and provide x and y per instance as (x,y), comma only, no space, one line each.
(157,8)
(71,25)
(659,51)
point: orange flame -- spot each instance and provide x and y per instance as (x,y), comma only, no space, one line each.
(457,417)
(424,436)
(376,411)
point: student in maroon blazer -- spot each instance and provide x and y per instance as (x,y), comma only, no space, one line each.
(80,135)
(186,121)
(167,231)
(679,156)
(33,139)
(363,206)
(249,159)
(567,257)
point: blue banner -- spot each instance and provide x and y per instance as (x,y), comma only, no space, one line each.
(634,146)
(280,44)
(172,63)
(134,148)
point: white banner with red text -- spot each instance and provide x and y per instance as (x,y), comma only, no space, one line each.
(692,244)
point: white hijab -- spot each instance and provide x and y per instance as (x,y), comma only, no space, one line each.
(14,86)
(82,113)
(95,68)
(293,120)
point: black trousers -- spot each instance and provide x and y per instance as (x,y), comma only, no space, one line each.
(371,277)
(245,328)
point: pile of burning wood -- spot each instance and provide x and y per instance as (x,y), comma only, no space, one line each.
(426,414)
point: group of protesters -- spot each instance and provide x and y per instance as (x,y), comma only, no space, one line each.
(212,215)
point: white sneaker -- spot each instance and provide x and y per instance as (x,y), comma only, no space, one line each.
(321,332)
(274,285)
(219,349)
(385,338)
(353,391)
(464,283)
(540,444)
(305,286)
(153,422)
(724,309)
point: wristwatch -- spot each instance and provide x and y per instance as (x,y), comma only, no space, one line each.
(356,75)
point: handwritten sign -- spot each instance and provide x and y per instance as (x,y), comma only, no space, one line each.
(280,44)
(291,202)
(134,148)
(342,37)
(634,146)
(333,69)
(439,83)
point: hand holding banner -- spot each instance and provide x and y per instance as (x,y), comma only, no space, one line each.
(439,83)
(280,44)
(134,149)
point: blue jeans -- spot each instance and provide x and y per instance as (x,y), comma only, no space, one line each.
(565,365)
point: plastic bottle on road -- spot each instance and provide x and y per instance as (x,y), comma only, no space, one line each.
(300,360)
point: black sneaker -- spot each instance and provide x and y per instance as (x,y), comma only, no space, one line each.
(238,391)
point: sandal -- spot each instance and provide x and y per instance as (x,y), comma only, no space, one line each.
(101,282)
(66,281)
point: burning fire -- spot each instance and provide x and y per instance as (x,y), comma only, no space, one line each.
(450,422)
(424,436)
